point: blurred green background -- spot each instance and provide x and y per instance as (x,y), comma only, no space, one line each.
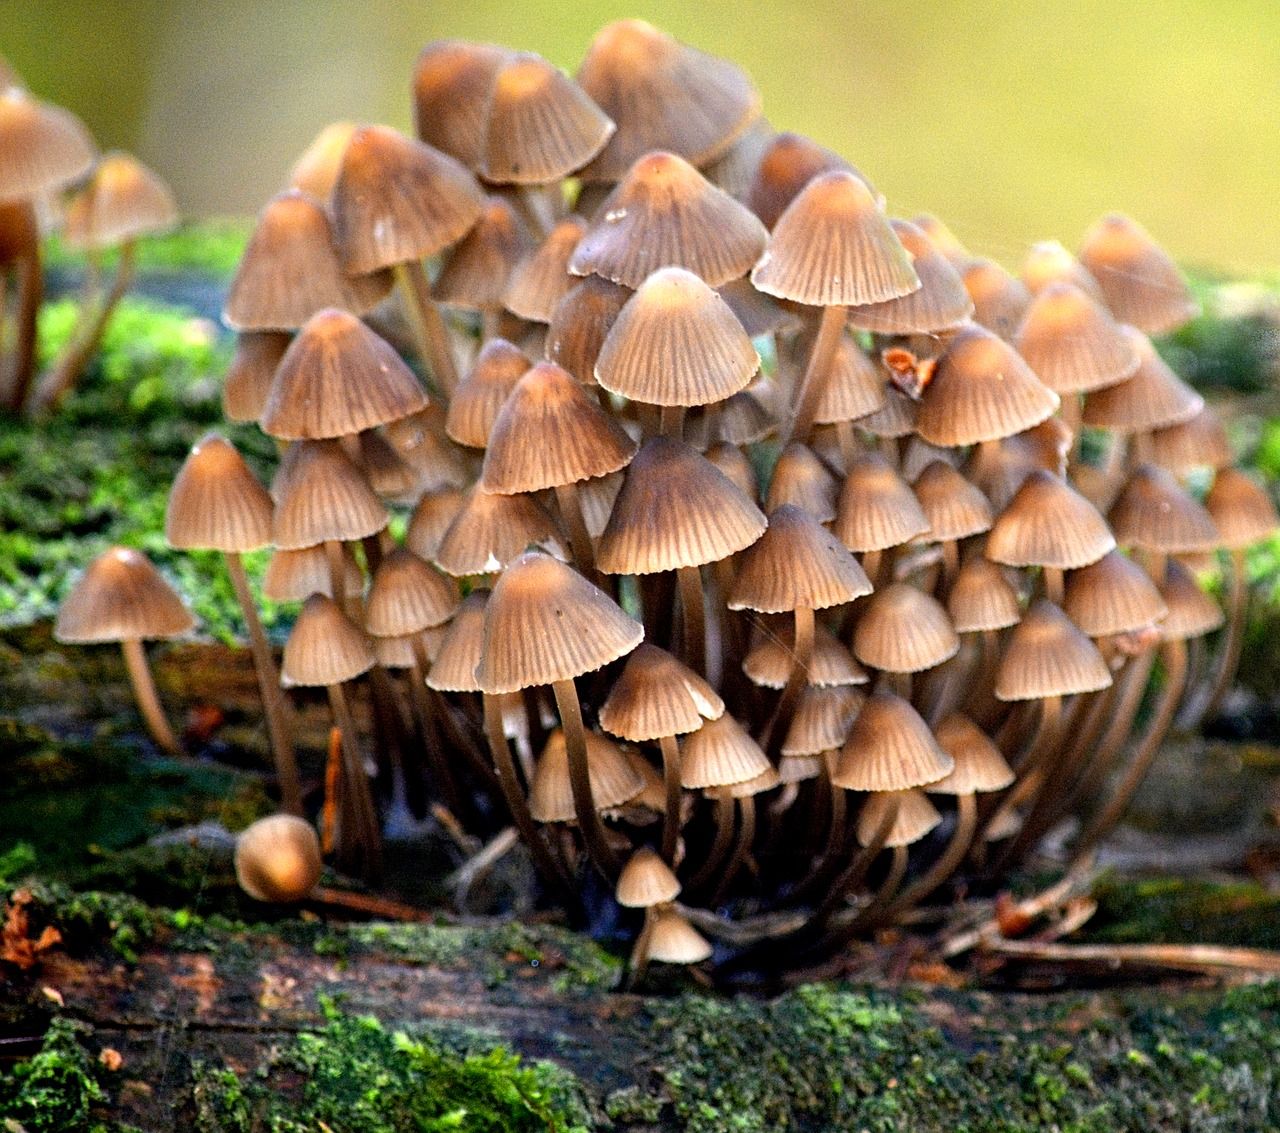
(1014,120)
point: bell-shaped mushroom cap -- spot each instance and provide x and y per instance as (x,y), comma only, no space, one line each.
(855,384)
(122,201)
(489,531)
(896,418)
(1048,655)
(981,390)
(914,818)
(325,647)
(42,146)
(720,753)
(646,880)
(954,508)
(877,507)
(247,385)
(664,213)
(735,464)
(420,442)
(796,562)
(451,84)
(1048,523)
(1072,342)
(550,432)
(1140,282)
(614,780)
(216,503)
(317,166)
(830,664)
(941,302)
(539,124)
(904,630)
(1153,398)
(322,495)
(278,859)
(943,239)
(676,342)
(546,623)
(800,478)
(657,696)
(889,749)
(542,278)
(733,170)
(756,785)
(1241,510)
(396,200)
(336,378)
(120,597)
(833,247)
(979,765)
(408,596)
(1192,613)
(580,323)
(789,162)
(454,668)
(999,301)
(290,270)
(823,719)
(757,312)
(1200,442)
(981,598)
(479,396)
(293,576)
(1049,262)
(662,95)
(476,271)
(1155,513)
(744,419)
(673,940)
(431,519)
(676,509)
(1113,595)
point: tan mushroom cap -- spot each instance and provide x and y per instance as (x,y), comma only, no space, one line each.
(663,95)
(321,495)
(247,385)
(1192,613)
(396,199)
(216,503)
(954,507)
(981,390)
(390,476)
(550,432)
(491,530)
(982,598)
(756,311)
(1000,301)
(546,623)
(336,378)
(1048,523)
(943,239)
(120,597)
(42,146)
(904,630)
(1241,509)
(1113,595)
(896,418)
(580,323)
(646,880)
(1200,442)
(833,247)
(799,768)
(1072,342)
(613,779)
(664,213)
(719,754)
(823,719)
(733,170)
(454,667)
(914,818)
(855,386)
(477,269)
(941,303)
(1155,513)
(800,478)
(676,342)
(1141,284)
(316,169)
(479,396)
(877,509)
(1049,262)
(420,442)
(290,270)
(278,859)
(673,940)
(796,562)
(539,124)
(787,164)
(735,464)
(293,576)
(1048,655)
(744,419)
(325,647)
(831,664)
(979,765)
(451,83)
(767,780)
(542,278)
(1153,398)
(122,201)
(408,596)
(430,520)
(890,749)
(657,696)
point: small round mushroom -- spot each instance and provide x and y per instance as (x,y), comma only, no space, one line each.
(278,859)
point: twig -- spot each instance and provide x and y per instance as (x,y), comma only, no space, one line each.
(1185,957)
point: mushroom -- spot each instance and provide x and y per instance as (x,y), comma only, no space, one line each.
(646,882)
(278,859)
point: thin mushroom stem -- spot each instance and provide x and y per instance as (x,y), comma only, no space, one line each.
(30,295)
(638,963)
(671,421)
(337,574)
(856,871)
(849,448)
(945,866)
(366,819)
(436,759)
(1053,584)
(671,779)
(579,539)
(144,691)
(438,345)
(723,841)
(1233,640)
(273,701)
(414,304)
(689,582)
(876,910)
(817,374)
(741,847)
(575,738)
(801,655)
(1174,656)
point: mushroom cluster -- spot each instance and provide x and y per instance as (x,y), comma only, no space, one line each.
(762,549)
(51,174)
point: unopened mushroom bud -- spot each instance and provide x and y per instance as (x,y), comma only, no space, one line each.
(278,859)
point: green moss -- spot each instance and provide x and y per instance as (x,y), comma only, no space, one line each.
(209,247)
(1177,910)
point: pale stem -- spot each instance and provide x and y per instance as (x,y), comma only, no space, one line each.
(579,539)
(817,374)
(1233,640)
(438,344)
(671,780)
(575,738)
(802,654)
(951,857)
(144,691)
(689,581)
(366,818)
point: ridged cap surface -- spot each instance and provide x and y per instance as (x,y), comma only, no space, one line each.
(1154,512)
(123,200)
(408,596)
(979,764)
(489,531)
(1048,523)
(890,749)
(877,507)
(325,647)
(323,496)
(657,696)
(1048,655)
(1113,595)
(613,779)
(646,880)
(1072,342)
(216,503)
(914,817)
(120,597)
(904,630)
(719,754)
